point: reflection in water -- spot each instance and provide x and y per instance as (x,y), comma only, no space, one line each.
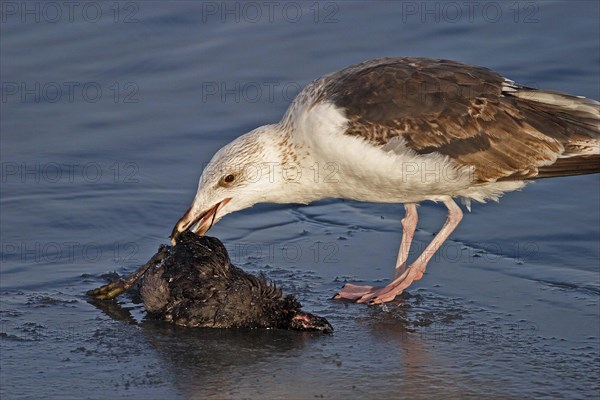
(211,362)
(208,362)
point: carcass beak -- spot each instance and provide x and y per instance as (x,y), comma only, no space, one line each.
(203,220)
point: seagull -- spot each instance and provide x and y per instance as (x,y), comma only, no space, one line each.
(402,130)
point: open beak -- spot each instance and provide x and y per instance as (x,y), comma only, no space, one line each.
(203,221)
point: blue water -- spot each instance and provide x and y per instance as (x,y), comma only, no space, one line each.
(107,116)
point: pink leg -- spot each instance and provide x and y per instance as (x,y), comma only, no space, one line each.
(416,270)
(409,225)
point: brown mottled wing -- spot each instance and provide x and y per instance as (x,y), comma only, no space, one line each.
(461,111)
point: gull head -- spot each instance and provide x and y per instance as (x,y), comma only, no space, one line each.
(243,173)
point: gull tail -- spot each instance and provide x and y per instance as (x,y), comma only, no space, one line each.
(572,120)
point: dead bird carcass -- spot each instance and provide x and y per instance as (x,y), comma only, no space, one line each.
(194,284)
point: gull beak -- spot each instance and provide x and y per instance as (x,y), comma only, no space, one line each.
(203,221)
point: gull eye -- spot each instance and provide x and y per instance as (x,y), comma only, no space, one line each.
(227,179)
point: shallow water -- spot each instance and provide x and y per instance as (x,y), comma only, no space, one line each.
(93,183)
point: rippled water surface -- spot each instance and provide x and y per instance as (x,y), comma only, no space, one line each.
(109,111)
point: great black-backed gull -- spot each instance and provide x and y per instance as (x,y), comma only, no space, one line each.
(402,130)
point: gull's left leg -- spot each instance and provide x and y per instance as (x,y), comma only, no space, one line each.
(416,270)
